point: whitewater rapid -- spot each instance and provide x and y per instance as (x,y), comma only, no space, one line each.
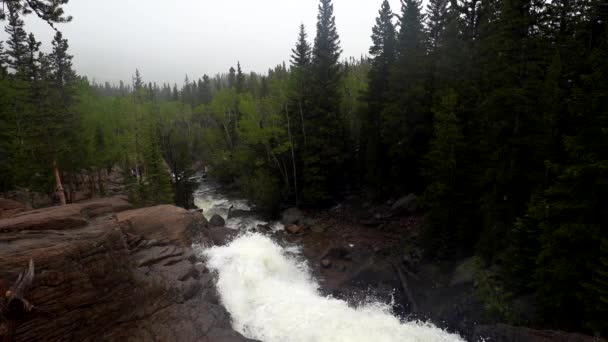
(272,297)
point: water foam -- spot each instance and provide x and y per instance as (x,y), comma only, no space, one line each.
(272,297)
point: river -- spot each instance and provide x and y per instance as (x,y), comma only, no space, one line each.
(272,296)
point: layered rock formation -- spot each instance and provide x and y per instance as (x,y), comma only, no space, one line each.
(104,272)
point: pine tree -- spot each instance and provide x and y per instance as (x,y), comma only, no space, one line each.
(300,76)
(326,148)
(205,90)
(231,78)
(437,21)
(300,55)
(572,224)
(446,233)
(407,119)
(138,87)
(17,42)
(240,79)
(383,52)
(49,11)
(175,95)
(156,186)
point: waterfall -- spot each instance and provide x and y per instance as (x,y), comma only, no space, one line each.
(272,297)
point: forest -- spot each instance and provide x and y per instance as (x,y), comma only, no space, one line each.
(495,112)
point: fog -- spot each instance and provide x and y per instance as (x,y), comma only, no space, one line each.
(168,39)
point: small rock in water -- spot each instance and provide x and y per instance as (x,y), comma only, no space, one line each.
(217,221)
(292,216)
(264,227)
(326,263)
(293,229)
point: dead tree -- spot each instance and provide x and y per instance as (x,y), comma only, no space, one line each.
(14,307)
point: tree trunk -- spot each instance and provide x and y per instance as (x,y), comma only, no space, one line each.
(58,185)
(293,156)
(302,122)
(100,182)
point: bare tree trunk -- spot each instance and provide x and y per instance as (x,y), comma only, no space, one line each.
(293,156)
(58,185)
(99,182)
(302,122)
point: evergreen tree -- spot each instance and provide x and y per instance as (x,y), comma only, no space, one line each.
(300,55)
(240,79)
(50,11)
(300,77)
(205,90)
(447,234)
(17,41)
(231,78)
(175,95)
(383,52)
(407,119)
(156,186)
(326,148)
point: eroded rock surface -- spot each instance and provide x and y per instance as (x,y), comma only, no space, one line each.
(107,273)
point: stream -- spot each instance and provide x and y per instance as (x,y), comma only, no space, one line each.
(272,296)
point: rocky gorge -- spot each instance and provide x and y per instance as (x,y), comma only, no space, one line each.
(104,271)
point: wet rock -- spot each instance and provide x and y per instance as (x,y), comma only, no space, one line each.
(293,229)
(507,333)
(165,223)
(9,208)
(100,206)
(53,218)
(217,221)
(405,205)
(220,235)
(292,216)
(133,277)
(263,227)
(326,263)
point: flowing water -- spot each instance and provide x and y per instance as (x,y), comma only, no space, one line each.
(272,297)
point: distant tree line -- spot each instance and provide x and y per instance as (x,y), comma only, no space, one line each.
(494,111)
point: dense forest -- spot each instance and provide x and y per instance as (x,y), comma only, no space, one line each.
(494,111)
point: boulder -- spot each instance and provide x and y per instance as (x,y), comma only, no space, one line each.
(128,277)
(291,216)
(507,333)
(53,218)
(164,223)
(405,205)
(220,236)
(293,229)
(107,205)
(9,208)
(217,221)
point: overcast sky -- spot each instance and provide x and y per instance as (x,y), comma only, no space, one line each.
(167,39)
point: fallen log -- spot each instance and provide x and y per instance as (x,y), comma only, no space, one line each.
(14,307)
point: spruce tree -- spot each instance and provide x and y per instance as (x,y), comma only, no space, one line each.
(326,148)
(300,55)
(300,76)
(17,41)
(231,78)
(240,79)
(407,120)
(384,53)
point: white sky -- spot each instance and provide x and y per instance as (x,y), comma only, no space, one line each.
(167,39)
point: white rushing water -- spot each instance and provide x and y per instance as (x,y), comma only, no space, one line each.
(272,297)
